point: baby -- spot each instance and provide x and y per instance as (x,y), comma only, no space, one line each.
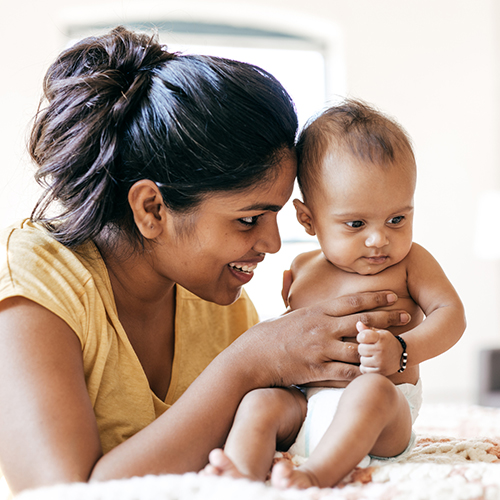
(357,174)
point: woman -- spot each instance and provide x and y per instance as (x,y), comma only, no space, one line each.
(163,177)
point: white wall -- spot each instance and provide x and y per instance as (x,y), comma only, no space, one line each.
(430,63)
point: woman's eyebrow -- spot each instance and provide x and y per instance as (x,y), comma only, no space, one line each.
(261,207)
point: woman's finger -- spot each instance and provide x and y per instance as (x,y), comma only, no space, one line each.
(365,301)
(336,372)
(345,326)
(384,319)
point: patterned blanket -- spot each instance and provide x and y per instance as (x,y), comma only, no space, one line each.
(457,456)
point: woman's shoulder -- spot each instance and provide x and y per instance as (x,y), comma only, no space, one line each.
(22,231)
(27,235)
(36,266)
(27,247)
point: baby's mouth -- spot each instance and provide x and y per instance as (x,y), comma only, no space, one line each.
(243,268)
(377,259)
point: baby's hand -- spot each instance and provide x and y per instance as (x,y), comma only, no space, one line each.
(379,351)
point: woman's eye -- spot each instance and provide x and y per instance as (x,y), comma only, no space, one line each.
(249,221)
(397,220)
(356,224)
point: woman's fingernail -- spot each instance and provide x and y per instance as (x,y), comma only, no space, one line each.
(391,298)
(404,317)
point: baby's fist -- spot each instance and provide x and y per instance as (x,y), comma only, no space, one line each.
(379,351)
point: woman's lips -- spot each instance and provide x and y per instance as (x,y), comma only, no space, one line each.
(243,270)
(242,267)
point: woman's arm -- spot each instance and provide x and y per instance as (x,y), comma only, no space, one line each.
(48,431)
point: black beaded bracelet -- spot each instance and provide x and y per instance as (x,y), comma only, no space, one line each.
(404,356)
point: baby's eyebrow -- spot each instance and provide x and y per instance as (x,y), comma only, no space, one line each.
(356,216)
(408,208)
(261,207)
(348,215)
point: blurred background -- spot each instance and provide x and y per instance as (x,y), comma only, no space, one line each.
(432,64)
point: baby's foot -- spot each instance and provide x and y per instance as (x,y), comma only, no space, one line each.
(221,465)
(284,475)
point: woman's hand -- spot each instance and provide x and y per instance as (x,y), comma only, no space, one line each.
(306,345)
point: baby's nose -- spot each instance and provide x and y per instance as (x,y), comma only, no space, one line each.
(377,239)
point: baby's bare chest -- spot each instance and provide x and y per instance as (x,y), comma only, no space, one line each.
(318,280)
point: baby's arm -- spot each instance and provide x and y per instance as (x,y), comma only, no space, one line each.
(287,283)
(429,287)
(300,266)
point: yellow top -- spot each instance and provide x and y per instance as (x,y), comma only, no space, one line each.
(75,286)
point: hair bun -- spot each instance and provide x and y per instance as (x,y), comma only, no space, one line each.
(90,89)
(116,61)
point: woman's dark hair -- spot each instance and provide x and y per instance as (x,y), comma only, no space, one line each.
(121,108)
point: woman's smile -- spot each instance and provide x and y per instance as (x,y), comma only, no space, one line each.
(244,270)
(230,234)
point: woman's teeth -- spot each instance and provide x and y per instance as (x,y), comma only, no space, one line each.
(243,268)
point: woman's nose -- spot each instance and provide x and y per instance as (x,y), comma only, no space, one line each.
(377,239)
(269,240)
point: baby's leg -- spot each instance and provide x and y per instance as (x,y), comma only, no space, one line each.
(266,419)
(373,416)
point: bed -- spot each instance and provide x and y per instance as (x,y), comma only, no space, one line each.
(457,456)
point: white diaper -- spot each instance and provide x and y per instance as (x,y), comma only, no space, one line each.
(322,404)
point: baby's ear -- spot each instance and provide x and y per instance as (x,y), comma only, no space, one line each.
(305,217)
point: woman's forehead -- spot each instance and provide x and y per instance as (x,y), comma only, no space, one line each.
(270,194)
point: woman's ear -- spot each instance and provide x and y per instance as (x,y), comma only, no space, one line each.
(148,208)
(304,216)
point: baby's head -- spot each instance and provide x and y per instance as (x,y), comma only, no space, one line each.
(357,175)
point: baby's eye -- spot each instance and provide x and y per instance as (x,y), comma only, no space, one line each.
(396,220)
(249,221)
(356,224)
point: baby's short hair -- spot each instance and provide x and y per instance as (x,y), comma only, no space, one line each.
(351,128)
